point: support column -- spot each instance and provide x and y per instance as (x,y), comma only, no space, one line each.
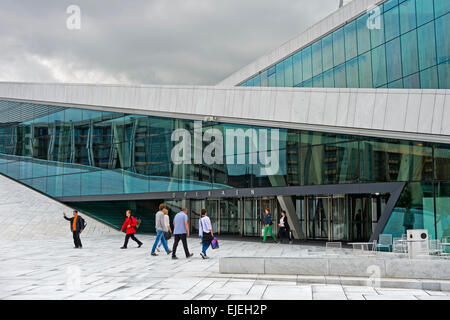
(287,204)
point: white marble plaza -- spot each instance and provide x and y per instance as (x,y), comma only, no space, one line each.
(52,269)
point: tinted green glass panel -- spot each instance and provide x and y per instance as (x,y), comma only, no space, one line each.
(339,76)
(425,11)
(441,7)
(280,74)
(318,82)
(390,4)
(306,63)
(398,84)
(442,162)
(426,45)
(351,69)
(317,58)
(414,210)
(365,70)
(328,79)
(288,74)
(407,15)
(297,68)
(391,24)
(410,59)
(351,49)
(363,34)
(393,60)
(444,75)
(338,47)
(377,28)
(429,78)
(379,66)
(412,81)
(264,80)
(327,52)
(443,210)
(442,38)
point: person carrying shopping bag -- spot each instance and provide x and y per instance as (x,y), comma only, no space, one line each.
(206,232)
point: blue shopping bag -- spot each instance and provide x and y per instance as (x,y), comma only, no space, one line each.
(215,243)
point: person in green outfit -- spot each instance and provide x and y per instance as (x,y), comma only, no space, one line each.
(268,225)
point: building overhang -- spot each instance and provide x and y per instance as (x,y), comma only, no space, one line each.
(409,114)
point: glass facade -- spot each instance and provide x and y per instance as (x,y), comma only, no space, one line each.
(69,152)
(400,44)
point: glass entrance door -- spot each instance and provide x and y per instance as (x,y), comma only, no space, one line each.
(230,216)
(252,224)
(318,213)
(195,213)
(212,207)
(339,230)
(361,217)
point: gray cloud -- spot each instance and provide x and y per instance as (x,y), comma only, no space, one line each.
(146,41)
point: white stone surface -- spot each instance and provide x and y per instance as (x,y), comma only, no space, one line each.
(27,214)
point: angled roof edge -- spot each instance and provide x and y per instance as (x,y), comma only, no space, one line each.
(336,19)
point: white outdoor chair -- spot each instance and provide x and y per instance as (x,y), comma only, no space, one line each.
(399,246)
(434,247)
(385,241)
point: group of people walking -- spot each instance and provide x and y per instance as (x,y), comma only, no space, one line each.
(180,230)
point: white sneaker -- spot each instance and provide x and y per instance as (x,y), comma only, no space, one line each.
(203,255)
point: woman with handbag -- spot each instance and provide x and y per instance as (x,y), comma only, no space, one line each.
(167,235)
(205,231)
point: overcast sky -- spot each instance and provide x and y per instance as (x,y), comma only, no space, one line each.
(146,41)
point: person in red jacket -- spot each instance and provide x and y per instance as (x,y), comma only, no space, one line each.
(129,225)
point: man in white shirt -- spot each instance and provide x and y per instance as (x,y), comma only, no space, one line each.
(205,231)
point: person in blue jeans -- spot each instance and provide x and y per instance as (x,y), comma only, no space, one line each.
(205,232)
(161,227)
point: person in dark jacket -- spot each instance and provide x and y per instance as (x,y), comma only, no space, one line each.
(284,227)
(77,225)
(268,225)
(129,225)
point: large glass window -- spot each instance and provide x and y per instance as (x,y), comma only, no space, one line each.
(288,75)
(429,78)
(280,74)
(444,75)
(391,23)
(339,76)
(297,68)
(441,7)
(426,46)
(443,210)
(410,60)
(442,38)
(351,68)
(317,58)
(407,15)
(306,63)
(351,49)
(379,66)
(425,11)
(338,47)
(327,52)
(363,34)
(393,60)
(365,70)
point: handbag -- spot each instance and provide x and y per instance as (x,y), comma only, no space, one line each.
(215,243)
(167,235)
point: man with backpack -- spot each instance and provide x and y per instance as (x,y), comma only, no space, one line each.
(77,225)
(130,225)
